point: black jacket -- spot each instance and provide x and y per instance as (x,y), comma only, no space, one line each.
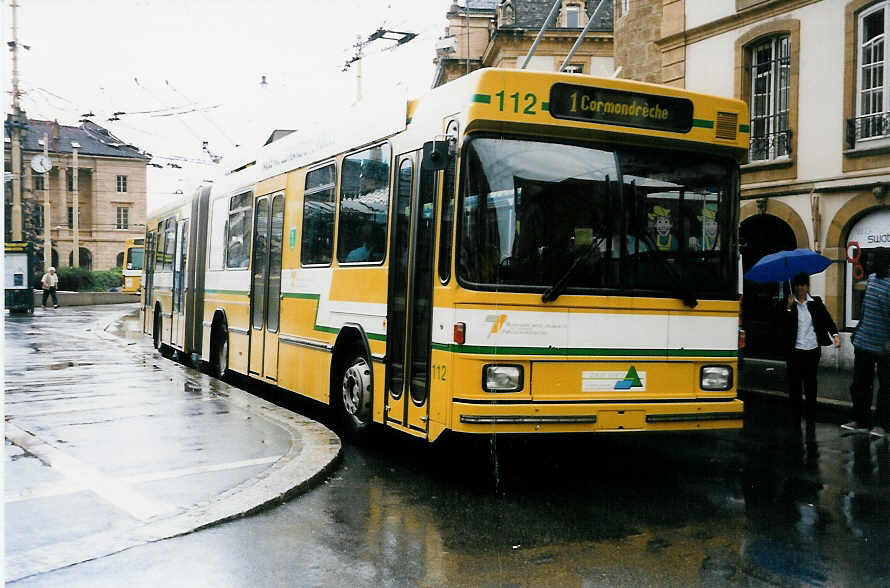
(822,323)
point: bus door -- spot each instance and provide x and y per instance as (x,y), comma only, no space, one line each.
(180,260)
(410,312)
(148,265)
(265,286)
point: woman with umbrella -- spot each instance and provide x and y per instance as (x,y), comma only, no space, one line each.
(807,326)
(805,322)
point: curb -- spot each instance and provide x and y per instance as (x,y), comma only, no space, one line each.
(313,453)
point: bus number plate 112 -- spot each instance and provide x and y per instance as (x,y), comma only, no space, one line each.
(618,107)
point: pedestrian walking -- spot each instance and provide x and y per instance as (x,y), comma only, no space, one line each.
(50,281)
(807,327)
(871,350)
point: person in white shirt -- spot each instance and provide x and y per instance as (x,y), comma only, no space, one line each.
(807,326)
(50,281)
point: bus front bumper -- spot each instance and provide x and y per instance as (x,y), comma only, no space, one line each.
(554,417)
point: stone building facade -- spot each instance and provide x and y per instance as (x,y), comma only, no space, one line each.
(111,180)
(502,31)
(817,82)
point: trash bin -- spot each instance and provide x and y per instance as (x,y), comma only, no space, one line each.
(19,279)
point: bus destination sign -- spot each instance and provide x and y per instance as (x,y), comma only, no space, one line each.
(618,107)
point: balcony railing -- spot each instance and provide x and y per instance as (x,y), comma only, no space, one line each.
(869,126)
(771,145)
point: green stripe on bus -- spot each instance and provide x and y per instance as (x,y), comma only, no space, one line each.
(483,98)
(236,292)
(320,328)
(704,124)
(744,128)
(582,351)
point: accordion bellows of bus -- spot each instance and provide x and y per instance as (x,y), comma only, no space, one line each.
(514,252)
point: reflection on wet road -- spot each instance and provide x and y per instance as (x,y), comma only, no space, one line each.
(772,505)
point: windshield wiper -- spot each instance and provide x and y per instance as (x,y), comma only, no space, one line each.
(558,287)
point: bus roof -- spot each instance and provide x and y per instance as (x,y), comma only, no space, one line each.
(495,97)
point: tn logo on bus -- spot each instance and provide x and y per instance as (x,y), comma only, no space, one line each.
(604,381)
(497,321)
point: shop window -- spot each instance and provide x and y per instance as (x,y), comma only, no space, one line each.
(868,236)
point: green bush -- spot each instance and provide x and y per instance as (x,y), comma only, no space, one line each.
(103,281)
(83,280)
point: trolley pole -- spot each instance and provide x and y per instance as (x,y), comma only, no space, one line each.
(75,256)
(47,215)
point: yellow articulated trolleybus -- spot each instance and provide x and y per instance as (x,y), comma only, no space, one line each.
(515,252)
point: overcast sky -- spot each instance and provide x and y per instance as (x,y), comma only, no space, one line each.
(158,59)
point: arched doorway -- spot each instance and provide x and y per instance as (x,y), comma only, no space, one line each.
(86,259)
(761,235)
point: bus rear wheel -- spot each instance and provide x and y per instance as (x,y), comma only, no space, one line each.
(356,393)
(219,360)
(163,349)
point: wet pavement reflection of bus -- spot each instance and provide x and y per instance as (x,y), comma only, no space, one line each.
(764,506)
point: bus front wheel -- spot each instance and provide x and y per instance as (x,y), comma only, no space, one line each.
(356,391)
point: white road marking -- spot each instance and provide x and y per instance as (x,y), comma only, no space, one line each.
(70,487)
(86,476)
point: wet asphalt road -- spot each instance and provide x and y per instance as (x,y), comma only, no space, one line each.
(773,505)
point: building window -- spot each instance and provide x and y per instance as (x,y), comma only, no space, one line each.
(70,177)
(123,217)
(873,91)
(770,98)
(71,217)
(573,17)
(38,217)
(576,68)
(625,7)
(122,183)
(38,182)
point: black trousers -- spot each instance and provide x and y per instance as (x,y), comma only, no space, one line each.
(802,367)
(864,364)
(50,292)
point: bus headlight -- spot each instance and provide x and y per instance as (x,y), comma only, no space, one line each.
(716,377)
(502,378)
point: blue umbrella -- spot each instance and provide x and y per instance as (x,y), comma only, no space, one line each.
(784,265)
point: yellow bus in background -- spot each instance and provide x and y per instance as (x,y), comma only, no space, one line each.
(132,270)
(514,252)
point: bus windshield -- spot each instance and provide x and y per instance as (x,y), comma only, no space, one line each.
(588,218)
(134,258)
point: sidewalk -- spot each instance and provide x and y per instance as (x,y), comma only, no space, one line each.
(767,377)
(110,446)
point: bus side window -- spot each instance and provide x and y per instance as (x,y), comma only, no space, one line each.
(364,205)
(317,243)
(238,245)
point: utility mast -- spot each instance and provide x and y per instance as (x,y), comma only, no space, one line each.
(15,123)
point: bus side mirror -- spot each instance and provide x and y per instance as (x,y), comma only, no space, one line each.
(436,154)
